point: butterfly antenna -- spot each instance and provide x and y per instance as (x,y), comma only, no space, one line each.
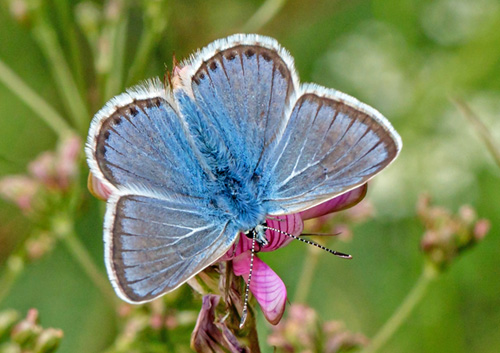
(247,289)
(336,253)
(321,234)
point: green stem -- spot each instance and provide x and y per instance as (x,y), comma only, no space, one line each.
(13,269)
(69,31)
(481,129)
(118,40)
(39,106)
(65,231)
(263,15)
(146,44)
(307,275)
(429,274)
(252,335)
(47,40)
(155,22)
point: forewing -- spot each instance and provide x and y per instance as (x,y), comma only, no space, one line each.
(153,245)
(238,89)
(160,229)
(137,142)
(332,143)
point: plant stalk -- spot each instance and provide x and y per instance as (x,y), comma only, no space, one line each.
(37,104)
(307,274)
(73,101)
(480,128)
(263,15)
(13,268)
(65,231)
(429,274)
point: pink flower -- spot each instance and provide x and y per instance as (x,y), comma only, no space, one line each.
(97,188)
(57,170)
(21,190)
(266,286)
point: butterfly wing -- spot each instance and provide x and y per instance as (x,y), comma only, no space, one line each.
(332,144)
(303,144)
(137,141)
(159,227)
(236,91)
(244,116)
(155,245)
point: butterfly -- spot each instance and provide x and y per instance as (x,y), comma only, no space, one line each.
(234,137)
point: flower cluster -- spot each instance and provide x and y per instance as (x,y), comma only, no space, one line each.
(45,191)
(447,235)
(50,172)
(27,335)
(143,328)
(302,331)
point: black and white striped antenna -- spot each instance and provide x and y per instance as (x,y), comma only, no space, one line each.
(266,227)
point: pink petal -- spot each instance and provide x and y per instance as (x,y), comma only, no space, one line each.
(21,190)
(97,188)
(336,204)
(43,169)
(266,286)
(67,160)
(291,224)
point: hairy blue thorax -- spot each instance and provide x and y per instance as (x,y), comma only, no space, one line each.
(232,189)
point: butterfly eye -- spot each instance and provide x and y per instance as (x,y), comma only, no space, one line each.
(249,233)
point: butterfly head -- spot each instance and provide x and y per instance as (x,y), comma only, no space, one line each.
(258,233)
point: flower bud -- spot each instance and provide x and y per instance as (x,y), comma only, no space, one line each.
(48,341)
(38,245)
(481,228)
(43,169)
(19,11)
(27,330)
(88,16)
(7,320)
(338,339)
(20,190)
(68,156)
(57,170)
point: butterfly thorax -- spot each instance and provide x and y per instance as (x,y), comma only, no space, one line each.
(235,190)
(236,198)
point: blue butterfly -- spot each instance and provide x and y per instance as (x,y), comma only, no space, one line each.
(234,138)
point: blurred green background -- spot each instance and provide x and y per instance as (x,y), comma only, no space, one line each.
(407,58)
